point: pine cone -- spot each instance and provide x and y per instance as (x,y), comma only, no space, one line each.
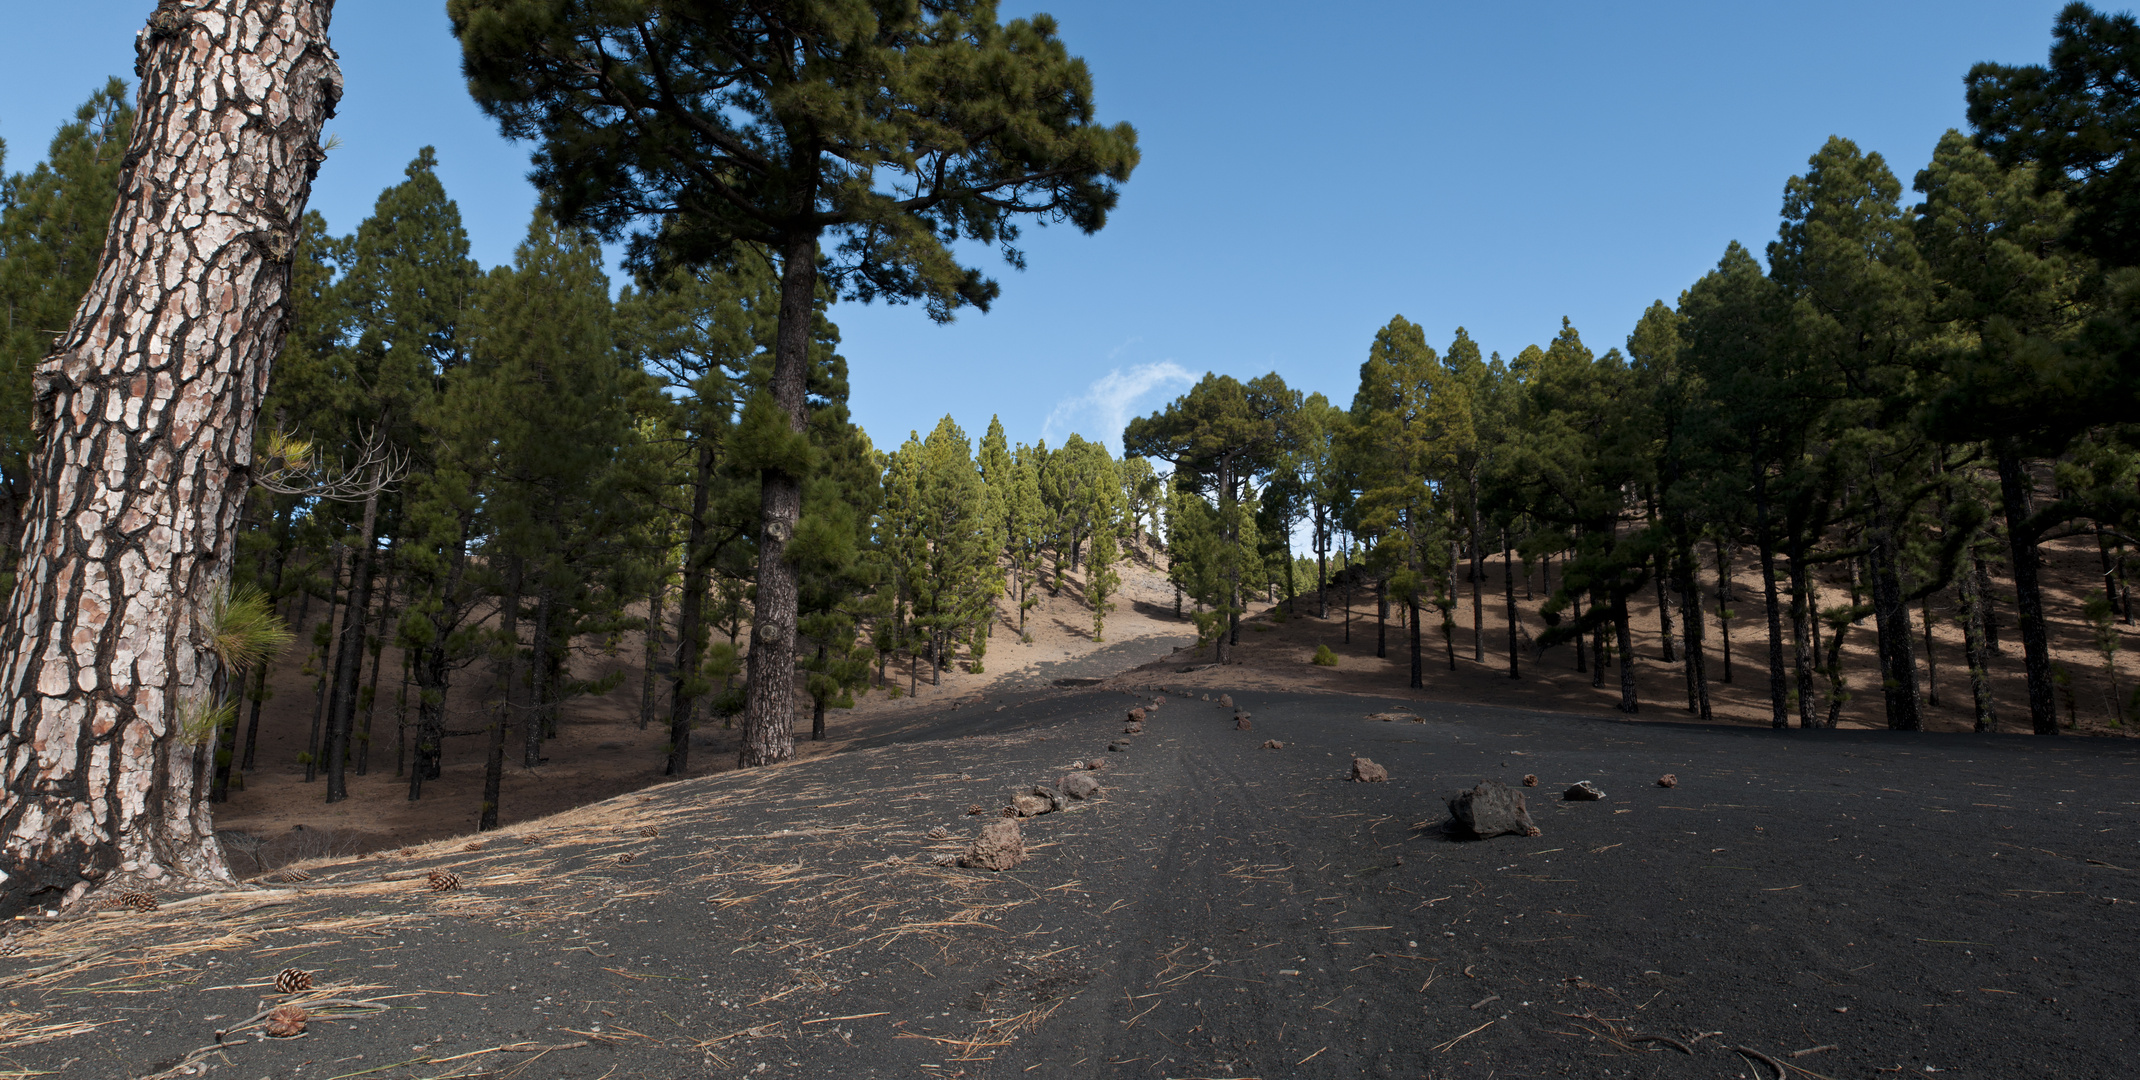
(292,876)
(649,831)
(405,853)
(10,947)
(472,845)
(531,841)
(939,833)
(1010,811)
(137,900)
(293,981)
(945,860)
(442,881)
(286,1022)
(626,858)
(976,808)
(1530,780)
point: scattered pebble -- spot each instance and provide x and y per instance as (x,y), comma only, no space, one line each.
(1583,791)
(1668,780)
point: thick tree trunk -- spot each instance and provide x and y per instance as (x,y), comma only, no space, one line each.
(1691,625)
(433,675)
(1892,617)
(769,709)
(349,656)
(144,415)
(2014,499)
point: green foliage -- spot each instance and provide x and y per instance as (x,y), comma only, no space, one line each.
(1324,657)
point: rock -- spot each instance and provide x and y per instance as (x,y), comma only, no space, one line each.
(1118,746)
(1491,809)
(1079,786)
(945,860)
(1226,701)
(1273,744)
(999,847)
(939,833)
(1056,799)
(1240,721)
(1530,780)
(975,809)
(1367,772)
(1136,716)
(1583,791)
(1096,763)
(1031,805)
(1133,729)
(1160,700)
(1668,780)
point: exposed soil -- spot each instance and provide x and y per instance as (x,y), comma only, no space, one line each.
(1848,903)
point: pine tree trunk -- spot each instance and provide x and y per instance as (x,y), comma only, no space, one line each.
(538,681)
(1802,646)
(1478,581)
(1891,615)
(1664,606)
(1975,650)
(1322,563)
(376,646)
(1629,703)
(654,630)
(769,710)
(1691,625)
(1508,594)
(1382,618)
(328,652)
(1723,602)
(144,416)
(2014,497)
(433,677)
(690,615)
(1419,667)
(817,705)
(349,655)
(259,694)
(508,676)
(1582,643)
(1931,659)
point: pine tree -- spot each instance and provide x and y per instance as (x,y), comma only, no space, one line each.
(746,126)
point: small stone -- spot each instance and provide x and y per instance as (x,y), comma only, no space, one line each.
(1668,780)
(1056,799)
(1491,809)
(1079,786)
(1226,701)
(1530,779)
(999,847)
(1583,791)
(1273,744)
(1367,772)
(1031,805)
(285,1022)
(1133,729)
(1136,716)
(976,808)
(1118,747)
(1096,763)
(1160,700)
(626,858)
(1240,722)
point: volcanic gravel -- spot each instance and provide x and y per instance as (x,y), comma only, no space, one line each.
(1844,904)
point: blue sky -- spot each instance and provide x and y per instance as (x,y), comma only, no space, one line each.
(1305,176)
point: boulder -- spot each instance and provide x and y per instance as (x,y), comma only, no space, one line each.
(1490,809)
(1079,786)
(1273,744)
(1031,805)
(1367,772)
(1583,791)
(999,847)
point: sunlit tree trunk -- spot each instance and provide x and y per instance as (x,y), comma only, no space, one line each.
(144,414)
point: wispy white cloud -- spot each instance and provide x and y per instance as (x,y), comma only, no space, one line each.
(1105,407)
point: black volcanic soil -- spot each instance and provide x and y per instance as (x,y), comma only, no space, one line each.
(1874,903)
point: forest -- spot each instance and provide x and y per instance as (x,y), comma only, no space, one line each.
(1889,411)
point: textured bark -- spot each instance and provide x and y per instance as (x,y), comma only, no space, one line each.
(769,708)
(375,645)
(1891,616)
(1691,624)
(653,651)
(1382,619)
(1723,603)
(321,698)
(508,705)
(1975,650)
(1779,718)
(433,671)
(144,414)
(1508,594)
(1803,647)
(1629,702)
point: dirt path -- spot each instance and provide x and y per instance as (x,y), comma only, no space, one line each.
(1963,905)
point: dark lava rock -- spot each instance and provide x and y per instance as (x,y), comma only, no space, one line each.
(1491,809)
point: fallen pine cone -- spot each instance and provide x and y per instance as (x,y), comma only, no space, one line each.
(939,833)
(649,830)
(1668,780)
(1530,780)
(293,981)
(473,845)
(626,858)
(945,860)
(286,1022)
(1273,744)
(976,808)
(1010,811)
(10,947)
(292,876)
(405,853)
(442,881)
(531,840)
(137,900)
